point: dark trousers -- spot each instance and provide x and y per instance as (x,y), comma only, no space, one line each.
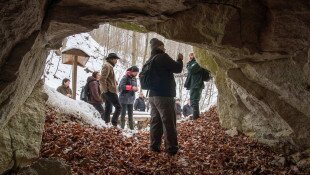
(163,122)
(111,100)
(129,108)
(100,109)
(195,95)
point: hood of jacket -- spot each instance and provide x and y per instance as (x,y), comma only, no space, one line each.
(91,78)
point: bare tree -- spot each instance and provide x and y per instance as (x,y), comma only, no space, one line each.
(145,48)
(134,48)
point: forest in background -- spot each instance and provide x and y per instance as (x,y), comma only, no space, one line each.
(133,48)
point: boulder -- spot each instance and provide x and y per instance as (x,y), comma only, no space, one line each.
(50,166)
(20,139)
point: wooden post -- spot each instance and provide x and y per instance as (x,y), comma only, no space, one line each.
(74,77)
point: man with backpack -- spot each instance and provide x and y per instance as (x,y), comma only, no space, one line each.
(140,103)
(127,88)
(92,90)
(108,88)
(157,76)
(195,83)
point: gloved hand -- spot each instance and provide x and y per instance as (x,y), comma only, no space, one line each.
(180,56)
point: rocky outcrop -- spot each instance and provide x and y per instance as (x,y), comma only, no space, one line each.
(20,139)
(258,52)
(51,166)
(259,55)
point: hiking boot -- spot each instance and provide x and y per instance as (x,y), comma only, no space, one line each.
(195,117)
(171,153)
(155,150)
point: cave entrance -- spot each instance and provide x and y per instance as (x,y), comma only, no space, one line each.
(133,49)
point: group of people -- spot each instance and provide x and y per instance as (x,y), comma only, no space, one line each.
(187,109)
(104,87)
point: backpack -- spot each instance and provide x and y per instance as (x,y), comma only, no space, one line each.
(145,74)
(84,93)
(206,75)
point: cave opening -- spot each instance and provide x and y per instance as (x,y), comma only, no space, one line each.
(257,51)
(133,49)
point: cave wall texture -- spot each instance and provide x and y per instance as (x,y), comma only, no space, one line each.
(257,50)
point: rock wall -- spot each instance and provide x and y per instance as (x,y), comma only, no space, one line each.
(20,139)
(257,50)
(260,55)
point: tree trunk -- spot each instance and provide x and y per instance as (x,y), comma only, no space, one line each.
(107,45)
(134,49)
(145,48)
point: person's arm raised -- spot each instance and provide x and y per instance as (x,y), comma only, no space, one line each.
(174,66)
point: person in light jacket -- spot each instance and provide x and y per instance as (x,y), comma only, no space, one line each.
(108,87)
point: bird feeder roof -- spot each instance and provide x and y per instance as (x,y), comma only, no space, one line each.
(69,54)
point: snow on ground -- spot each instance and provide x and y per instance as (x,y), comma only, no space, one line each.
(55,71)
(77,108)
(80,109)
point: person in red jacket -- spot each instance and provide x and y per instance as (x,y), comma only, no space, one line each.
(94,92)
(127,88)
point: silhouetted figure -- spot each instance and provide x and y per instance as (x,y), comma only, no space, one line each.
(162,93)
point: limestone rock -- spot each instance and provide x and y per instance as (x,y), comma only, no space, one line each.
(232,132)
(21,138)
(258,52)
(51,166)
(302,160)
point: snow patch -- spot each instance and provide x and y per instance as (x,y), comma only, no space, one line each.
(77,108)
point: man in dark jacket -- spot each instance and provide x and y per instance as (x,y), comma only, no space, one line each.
(65,88)
(187,109)
(194,83)
(108,88)
(140,103)
(162,93)
(127,88)
(94,97)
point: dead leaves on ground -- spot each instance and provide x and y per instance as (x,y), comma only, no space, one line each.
(204,149)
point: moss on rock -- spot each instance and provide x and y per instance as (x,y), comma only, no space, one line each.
(130,26)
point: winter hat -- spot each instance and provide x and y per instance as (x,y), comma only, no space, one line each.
(112,55)
(154,42)
(133,69)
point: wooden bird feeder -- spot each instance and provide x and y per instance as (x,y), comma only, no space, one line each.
(75,57)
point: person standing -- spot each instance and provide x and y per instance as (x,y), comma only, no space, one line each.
(65,88)
(162,93)
(178,109)
(194,83)
(108,88)
(94,96)
(140,103)
(187,109)
(127,88)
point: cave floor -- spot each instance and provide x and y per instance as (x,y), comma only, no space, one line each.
(205,148)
